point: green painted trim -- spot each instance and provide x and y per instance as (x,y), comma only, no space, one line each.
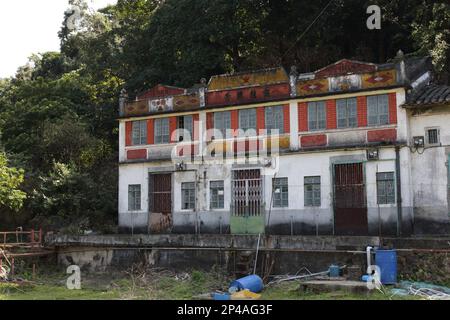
(247,225)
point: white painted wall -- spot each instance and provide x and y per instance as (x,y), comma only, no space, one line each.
(430,168)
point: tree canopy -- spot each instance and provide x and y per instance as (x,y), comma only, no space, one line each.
(58,113)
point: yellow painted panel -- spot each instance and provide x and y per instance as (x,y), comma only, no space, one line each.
(283,142)
(136,108)
(263,77)
(311,87)
(379,79)
(184,102)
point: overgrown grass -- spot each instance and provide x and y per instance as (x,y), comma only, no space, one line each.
(158,285)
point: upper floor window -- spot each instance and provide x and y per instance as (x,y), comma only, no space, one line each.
(346,113)
(222,122)
(317,115)
(139,132)
(378,110)
(184,126)
(280,193)
(162,134)
(134,197)
(247,120)
(274,119)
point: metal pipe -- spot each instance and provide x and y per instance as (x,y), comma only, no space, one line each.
(257,251)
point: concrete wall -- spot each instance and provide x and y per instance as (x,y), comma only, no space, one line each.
(424,259)
(430,173)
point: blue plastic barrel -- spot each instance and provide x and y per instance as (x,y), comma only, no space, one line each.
(334,271)
(386,260)
(253,283)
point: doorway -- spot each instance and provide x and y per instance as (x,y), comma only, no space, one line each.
(160,203)
(247,206)
(350,206)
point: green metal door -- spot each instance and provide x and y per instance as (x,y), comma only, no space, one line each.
(247,208)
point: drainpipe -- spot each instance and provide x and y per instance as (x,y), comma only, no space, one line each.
(399,191)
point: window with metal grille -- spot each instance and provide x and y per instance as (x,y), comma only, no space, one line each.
(385,187)
(162,134)
(139,132)
(274,118)
(134,197)
(184,126)
(312,192)
(216,195)
(188,195)
(247,121)
(222,123)
(317,115)
(432,136)
(378,110)
(280,193)
(346,113)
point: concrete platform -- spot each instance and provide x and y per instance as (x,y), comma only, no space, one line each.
(320,286)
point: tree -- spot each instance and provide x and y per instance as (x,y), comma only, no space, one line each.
(431,32)
(10,180)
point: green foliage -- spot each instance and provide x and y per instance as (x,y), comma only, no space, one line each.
(10,180)
(431,32)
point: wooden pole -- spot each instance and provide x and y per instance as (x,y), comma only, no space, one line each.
(32,238)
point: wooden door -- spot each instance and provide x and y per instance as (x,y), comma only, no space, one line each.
(160,203)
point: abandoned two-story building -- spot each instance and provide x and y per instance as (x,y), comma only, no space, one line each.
(354,148)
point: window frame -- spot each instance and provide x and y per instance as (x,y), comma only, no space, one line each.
(139,132)
(250,117)
(319,119)
(135,196)
(427,136)
(216,201)
(274,119)
(185,123)
(370,110)
(281,199)
(188,187)
(385,198)
(161,137)
(224,119)
(311,199)
(351,113)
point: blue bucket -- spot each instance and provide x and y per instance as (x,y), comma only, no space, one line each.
(221,296)
(253,283)
(386,260)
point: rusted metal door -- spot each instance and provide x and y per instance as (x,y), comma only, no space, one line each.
(247,207)
(160,203)
(350,208)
